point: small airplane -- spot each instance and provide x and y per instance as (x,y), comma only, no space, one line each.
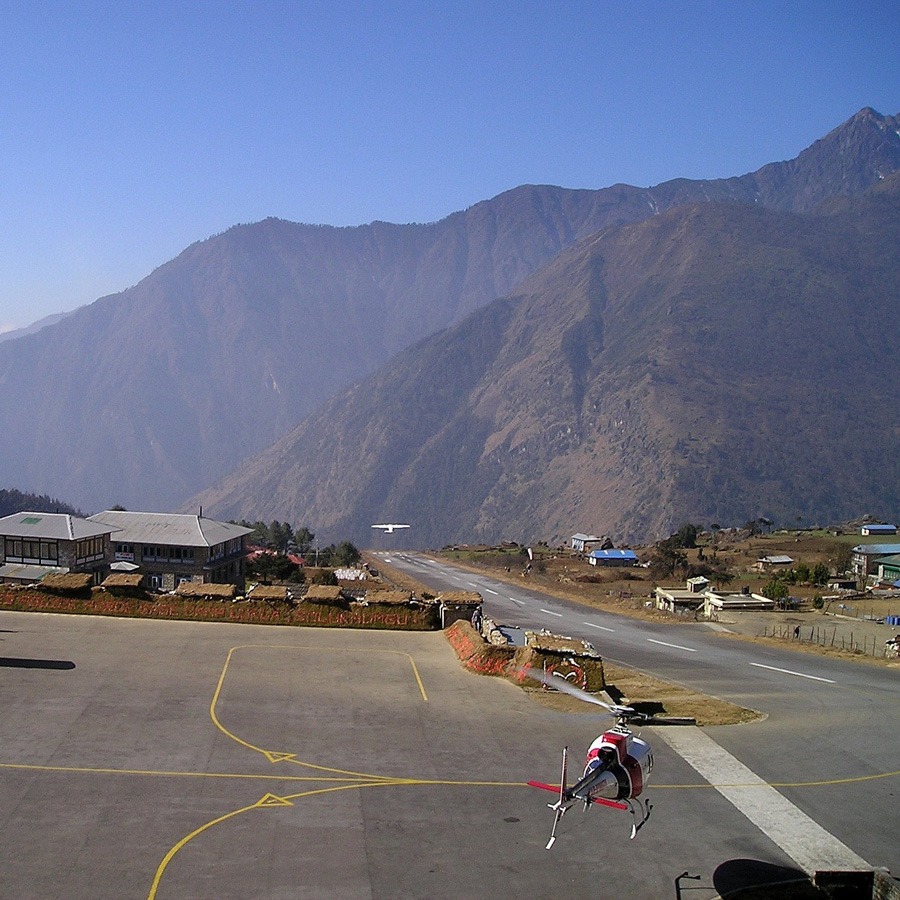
(390,528)
(617,767)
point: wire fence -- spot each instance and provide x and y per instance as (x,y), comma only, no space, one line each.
(825,636)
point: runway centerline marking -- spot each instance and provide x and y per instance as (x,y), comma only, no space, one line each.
(601,627)
(674,646)
(514,600)
(489,591)
(551,613)
(789,672)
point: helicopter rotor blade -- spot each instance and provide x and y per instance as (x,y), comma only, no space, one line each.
(558,683)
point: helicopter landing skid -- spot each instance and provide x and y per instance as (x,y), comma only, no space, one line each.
(645,807)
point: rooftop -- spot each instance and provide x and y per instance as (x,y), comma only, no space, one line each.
(53,526)
(613,554)
(171,529)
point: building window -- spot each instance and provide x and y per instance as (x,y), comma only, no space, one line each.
(168,554)
(40,552)
(89,549)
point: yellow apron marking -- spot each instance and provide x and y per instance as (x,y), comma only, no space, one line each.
(277,756)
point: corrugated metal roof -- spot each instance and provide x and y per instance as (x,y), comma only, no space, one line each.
(28,573)
(168,529)
(52,526)
(585,537)
(877,549)
(777,559)
(613,554)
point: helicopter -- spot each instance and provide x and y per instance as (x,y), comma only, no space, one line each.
(617,767)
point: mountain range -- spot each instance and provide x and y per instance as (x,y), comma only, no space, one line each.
(146,397)
(714,364)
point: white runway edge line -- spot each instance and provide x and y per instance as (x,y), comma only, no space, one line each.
(551,613)
(601,627)
(674,646)
(801,838)
(789,672)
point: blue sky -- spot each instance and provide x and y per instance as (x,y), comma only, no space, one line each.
(130,130)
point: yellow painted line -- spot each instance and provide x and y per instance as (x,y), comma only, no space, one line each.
(356,781)
(215,700)
(280,756)
(412,662)
(185,840)
(87,770)
(268,801)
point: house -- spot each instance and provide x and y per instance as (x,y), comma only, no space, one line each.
(673,599)
(717,601)
(840,583)
(776,561)
(889,569)
(613,558)
(169,548)
(583,543)
(878,529)
(866,557)
(35,544)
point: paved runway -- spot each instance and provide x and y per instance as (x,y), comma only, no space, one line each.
(829,720)
(187,760)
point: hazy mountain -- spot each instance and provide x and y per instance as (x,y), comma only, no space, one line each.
(144,397)
(715,363)
(13,501)
(34,327)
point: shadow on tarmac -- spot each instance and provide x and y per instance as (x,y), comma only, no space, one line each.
(11,662)
(749,879)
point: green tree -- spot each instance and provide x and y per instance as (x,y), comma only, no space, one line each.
(775,589)
(280,535)
(802,571)
(820,574)
(686,536)
(303,538)
(346,554)
(667,559)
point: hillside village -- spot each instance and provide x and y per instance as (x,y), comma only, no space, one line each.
(720,575)
(757,583)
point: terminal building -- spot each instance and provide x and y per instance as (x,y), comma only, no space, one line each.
(169,549)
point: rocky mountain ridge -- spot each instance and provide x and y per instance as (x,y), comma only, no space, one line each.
(145,397)
(715,363)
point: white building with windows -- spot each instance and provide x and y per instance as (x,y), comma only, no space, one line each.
(35,544)
(170,548)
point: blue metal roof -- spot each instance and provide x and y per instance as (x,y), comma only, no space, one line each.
(613,554)
(877,549)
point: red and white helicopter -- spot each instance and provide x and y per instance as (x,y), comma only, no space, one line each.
(617,767)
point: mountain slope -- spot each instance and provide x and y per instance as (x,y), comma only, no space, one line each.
(144,397)
(715,363)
